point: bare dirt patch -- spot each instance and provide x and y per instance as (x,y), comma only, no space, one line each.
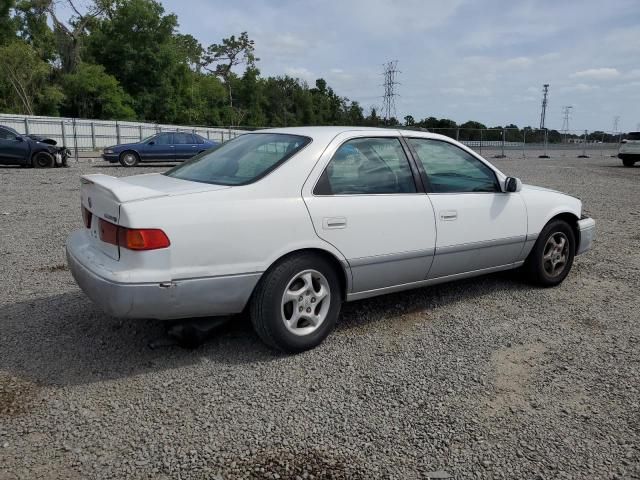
(514,367)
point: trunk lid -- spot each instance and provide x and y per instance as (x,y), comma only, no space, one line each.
(102,195)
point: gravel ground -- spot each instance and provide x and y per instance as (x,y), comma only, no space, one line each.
(485,378)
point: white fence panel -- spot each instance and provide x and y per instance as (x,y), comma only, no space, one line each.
(85,134)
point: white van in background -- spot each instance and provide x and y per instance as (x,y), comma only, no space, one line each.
(629,151)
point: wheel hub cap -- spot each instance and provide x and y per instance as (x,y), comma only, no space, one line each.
(305,302)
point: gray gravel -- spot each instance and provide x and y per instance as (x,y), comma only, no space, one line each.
(486,378)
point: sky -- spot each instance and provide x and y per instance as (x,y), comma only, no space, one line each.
(483,60)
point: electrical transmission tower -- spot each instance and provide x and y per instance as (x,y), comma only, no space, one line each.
(616,123)
(389,100)
(543,114)
(566,114)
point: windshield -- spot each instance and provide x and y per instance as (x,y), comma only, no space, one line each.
(242,160)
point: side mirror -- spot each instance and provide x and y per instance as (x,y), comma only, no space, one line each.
(19,138)
(151,143)
(512,185)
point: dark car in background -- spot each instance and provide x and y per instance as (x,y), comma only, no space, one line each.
(30,150)
(162,147)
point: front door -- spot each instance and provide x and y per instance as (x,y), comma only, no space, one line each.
(13,149)
(160,147)
(479,226)
(363,199)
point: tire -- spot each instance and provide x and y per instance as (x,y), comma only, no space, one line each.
(628,162)
(286,323)
(129,159)
(550,261)
(42,160)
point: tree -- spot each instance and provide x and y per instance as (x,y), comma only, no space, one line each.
(92,93)
(409,121)
(25,75)
(70,35)
(221,58)
(137,43)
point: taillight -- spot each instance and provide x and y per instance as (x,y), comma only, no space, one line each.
(86,217)
(142,238)
(108,232)
(133,238)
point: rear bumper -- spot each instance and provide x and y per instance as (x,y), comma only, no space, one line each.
(587,229)
(194,297)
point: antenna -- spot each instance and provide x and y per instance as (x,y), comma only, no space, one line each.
(389,101)
(566,114)
(543,114)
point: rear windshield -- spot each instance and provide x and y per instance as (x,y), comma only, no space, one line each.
(634,136)
(242,160)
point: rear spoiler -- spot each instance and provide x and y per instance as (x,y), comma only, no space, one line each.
(121,191)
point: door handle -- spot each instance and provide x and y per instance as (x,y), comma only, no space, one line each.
(331,223)
(448,215)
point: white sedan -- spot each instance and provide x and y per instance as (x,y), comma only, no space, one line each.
(289,223)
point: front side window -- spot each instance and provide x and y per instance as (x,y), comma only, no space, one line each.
(451,169)
(365,166)
(243,160)
(7,134)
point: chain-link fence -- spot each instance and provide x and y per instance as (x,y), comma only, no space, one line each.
(93,135)
(528,142)
(90,135)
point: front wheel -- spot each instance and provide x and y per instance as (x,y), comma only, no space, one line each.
(129,159)
(628,162)
(297,303)
(42,160)
(551,259)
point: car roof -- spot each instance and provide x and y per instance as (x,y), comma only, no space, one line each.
(9,128)
(327,132)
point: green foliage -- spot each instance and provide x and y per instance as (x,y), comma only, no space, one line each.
(23,77)
(92,93)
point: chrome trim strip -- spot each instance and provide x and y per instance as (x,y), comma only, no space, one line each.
(465,247)
(390,257)
(431,281)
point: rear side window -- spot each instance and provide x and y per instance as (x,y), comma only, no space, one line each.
(365,166)
(183,139)
(450,169)
(240,161)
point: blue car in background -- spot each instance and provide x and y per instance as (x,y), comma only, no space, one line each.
(162,147)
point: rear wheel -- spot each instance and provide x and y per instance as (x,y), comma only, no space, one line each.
(628,162)
(297,303)
(551,259)
(129,159)
(42,160)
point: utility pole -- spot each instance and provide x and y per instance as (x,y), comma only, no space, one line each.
(543,114)
(389,100)
(566,113)
(616,123)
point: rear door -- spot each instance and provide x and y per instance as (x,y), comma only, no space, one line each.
(364,199)
(185,145)
(479,226)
